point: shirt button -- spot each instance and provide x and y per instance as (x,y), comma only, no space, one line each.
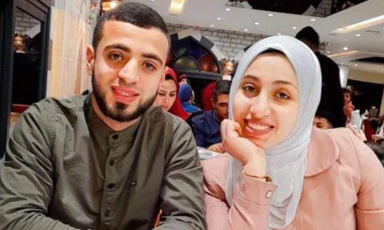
(107,213)
(268,194)
(111,185)
(115,136)
(112,162)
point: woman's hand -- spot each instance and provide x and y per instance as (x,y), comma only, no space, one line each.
(250,155)
(348,109)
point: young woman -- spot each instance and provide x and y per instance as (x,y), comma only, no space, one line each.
(280,171)
(167,96)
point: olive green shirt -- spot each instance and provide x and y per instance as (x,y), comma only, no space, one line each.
(64,168)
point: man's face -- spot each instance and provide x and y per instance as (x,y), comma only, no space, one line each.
(127,69)
(183,81)
(221,106)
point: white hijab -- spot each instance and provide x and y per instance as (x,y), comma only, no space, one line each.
(287,161)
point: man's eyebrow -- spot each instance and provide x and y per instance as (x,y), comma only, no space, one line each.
(118,46)
(154,57)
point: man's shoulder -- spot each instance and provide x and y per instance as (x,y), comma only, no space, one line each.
(323,59)
(204,117)
(51,106)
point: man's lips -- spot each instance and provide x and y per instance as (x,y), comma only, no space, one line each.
(124,95)
(257,128)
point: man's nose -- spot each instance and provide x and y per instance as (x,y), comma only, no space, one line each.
(130,73)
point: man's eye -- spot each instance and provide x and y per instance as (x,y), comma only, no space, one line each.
(115,57)
(149,66)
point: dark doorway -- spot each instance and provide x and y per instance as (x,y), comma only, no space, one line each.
(366,95)
(24,26)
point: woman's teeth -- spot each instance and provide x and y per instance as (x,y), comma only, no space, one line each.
(258,127)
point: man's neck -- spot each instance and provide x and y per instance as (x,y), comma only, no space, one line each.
(113,124)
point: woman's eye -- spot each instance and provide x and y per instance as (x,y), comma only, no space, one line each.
(115,57)
(149,66)
(283,96)
(161,94)
(249,89)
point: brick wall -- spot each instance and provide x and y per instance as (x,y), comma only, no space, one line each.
(24,22)
(230,43)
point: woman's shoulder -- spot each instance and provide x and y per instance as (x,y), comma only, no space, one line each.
(339,146)
(215,174)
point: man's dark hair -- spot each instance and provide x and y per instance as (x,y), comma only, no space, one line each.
(221,87)
(309,34)
(131,12)
(326,115)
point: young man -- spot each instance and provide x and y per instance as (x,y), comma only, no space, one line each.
(206,126)
(107,160)
(331,96)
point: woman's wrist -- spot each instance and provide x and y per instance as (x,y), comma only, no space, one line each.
(256,167)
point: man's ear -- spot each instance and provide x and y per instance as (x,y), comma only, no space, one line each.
(213,103)
(90,59)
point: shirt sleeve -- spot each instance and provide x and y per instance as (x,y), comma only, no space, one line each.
(26,175)
(250,203)
(181,198)
(370,205)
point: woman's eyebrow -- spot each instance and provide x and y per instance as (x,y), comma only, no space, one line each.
(252,77)
(284,83)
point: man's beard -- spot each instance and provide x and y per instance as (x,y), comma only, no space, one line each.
(117,111)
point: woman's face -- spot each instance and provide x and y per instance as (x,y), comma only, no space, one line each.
(166,95)
(266,104)
(346,97)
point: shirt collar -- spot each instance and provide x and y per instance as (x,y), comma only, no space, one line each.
(322,152)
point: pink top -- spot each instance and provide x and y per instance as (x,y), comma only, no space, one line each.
(343,189)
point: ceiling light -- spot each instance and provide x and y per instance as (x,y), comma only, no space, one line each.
(278,33)
(152,0)
(341,63)
(345,48)
(358,35)
(110,5)
(356,65)
(328,52)
(294,27)
(245,30)
(228,9)
(352,52)
(257,23)
(176,6)
(212,25)
(360,25)
(270,15)
(313,19)
(218,19)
